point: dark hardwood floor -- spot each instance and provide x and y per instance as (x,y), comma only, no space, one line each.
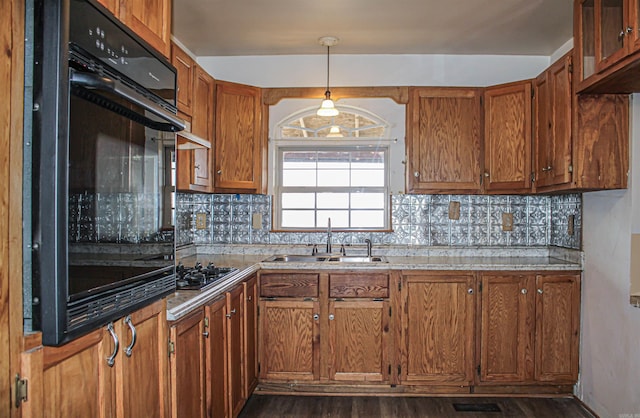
(261,406)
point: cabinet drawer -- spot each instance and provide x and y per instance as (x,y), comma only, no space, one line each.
(365,285)
(289,285)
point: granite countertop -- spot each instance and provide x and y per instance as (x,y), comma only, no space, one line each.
(182,302)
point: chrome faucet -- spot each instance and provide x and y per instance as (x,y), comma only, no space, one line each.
(329,236)
(368,242)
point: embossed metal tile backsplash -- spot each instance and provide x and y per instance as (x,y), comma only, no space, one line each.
(416,220)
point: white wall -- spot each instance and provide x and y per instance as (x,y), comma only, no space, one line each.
(374,70)
(610,346)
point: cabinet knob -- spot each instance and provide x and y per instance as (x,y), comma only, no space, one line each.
(197,167)
(470,291)
(219,171)
(331,317)
(540,291)
(548,168)
(486,174)
(205,334)
(316,317)
(249,298)
(416,174)
(629,29)
(621,35)
(523,291)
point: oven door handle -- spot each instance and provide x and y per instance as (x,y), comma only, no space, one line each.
(94,81)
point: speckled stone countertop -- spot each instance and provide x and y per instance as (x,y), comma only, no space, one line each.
(249,260)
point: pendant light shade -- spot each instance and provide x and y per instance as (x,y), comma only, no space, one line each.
(327,108)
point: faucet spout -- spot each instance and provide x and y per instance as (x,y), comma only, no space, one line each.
(329,236)
(368,242)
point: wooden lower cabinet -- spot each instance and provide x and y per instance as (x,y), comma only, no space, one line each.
(250,352)
(529,328)
(438,328)
(359,340)
(188,367)
(235,343)
(217,355)
(289,340)
(74,380)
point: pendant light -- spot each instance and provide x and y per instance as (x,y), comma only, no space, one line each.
(327,108)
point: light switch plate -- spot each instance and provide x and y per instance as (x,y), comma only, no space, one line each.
(454,210)
(201,220)
(507,221)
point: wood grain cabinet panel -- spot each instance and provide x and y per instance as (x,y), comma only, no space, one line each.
(358,340)
(507,139)
(217,355)
(357,285)
(185,67)
(250,358)
(235,344)
(438,329)
(188,366)
(289,285)
(151,19)
(443,140)
(289,340)
(238,140)
(506,330)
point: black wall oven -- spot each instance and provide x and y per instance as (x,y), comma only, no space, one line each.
(103,134)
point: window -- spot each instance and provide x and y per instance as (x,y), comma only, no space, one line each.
(321,174)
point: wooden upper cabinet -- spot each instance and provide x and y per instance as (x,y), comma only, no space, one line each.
(238,141)
(188,366)
(507,139)
(557,328)
(443,140)
(438,333)
(553,162)
(506,329)
(601,151)
(186,68)
(151,19)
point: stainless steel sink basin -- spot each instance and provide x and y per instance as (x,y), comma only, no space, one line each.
(294,258)
(358,259)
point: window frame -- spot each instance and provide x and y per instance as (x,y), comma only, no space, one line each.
(342,144)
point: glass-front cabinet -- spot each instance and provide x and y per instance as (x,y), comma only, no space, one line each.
(606,31)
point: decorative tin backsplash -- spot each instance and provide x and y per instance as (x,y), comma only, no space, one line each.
(416,220)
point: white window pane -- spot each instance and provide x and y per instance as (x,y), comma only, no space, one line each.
(368,156)
(367,200)
(333,200)
(339,218)
(298,200)
(367,178)
(298,219)
(367,219)
(333,178)
(289,165)
(297,178)
(366,165)
(333,160)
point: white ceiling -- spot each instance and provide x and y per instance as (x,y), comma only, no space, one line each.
(292,27)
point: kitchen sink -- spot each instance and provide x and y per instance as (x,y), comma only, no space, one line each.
(358,259)
(294,258)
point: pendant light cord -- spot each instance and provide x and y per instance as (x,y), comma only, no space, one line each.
(327,93)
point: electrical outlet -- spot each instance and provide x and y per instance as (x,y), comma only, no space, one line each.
(507,221)
(256,221)
(454,210)
(571,220)
(201,220)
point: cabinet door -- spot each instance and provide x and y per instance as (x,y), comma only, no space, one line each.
(557,328)
(438,329)
(507,127)
(188,366)
(151,19)
(358,340)
(554,165)
(217,359)
(541,128)
(202,126)
(289,340)
(235,345)
(185,67)
(238,143)
(610,18)
(251,335)
(80,364)
(634,24)
(584,32)
(142,377)
(602,142)
(443,140)
(506,329)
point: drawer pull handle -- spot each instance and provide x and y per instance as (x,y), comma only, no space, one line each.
(111,360)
